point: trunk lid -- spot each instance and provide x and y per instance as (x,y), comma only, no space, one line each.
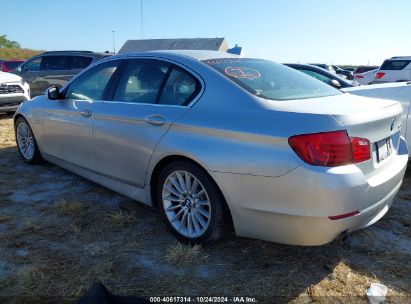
(377,120)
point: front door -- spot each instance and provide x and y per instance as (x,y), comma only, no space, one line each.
(68,123)
(30,72)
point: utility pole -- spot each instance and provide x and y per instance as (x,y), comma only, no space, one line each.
(141,18)
(114,43)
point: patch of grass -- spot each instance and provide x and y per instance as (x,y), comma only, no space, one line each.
(348,285)
(183,255)
(120,218)
(64,207)
(4,218)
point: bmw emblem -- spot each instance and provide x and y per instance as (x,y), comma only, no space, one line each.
(392,124)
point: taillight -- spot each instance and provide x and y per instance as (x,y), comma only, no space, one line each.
(359,76)
(379,75)
(330,149)
(360,149)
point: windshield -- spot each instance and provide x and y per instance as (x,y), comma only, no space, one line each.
(271,80)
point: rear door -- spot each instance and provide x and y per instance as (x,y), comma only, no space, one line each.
(148,97)
(54,71)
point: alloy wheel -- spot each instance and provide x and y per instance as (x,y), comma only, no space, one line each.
(186,204)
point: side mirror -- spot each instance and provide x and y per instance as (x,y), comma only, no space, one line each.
(335,83)
(19,69)
(53,93)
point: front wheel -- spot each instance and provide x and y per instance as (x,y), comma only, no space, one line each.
(191,203)
(26,143)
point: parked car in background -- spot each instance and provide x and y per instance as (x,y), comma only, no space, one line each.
(325,76)
(54,68)
(364,68)
(366,77)
(13,91)
(343,73)
(396,69)
(325,67)
(8,65)
(349,68)
(400,92)
(212,138)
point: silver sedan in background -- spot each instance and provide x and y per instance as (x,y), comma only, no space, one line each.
(212,139)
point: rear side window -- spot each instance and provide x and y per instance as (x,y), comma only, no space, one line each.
(179,89)
(80,62)
(141,81)
(395,64)
(92,84)
(55,63)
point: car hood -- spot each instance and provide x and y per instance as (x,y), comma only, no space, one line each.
(8,77)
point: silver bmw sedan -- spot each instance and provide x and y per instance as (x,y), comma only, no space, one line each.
(212,139)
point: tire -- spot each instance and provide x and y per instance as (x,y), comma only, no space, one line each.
(26,142)
(185,205)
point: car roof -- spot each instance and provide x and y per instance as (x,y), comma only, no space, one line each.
(400,57)
(306,65)
(195,54)
(71,52)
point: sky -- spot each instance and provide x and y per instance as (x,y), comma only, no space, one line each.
(323,31)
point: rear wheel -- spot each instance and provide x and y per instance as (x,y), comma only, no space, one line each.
(26,143)
(190,202)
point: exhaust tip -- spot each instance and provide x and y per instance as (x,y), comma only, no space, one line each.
(342,237)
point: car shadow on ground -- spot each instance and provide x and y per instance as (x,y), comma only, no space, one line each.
(59,234)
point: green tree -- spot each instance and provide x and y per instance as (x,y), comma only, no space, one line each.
(6,43)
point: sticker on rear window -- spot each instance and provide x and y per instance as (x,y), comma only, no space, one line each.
(242,72)
(222,61)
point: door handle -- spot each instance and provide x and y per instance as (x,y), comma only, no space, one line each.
(155,120)
(86,113)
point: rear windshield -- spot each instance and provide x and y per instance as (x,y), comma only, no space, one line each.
(271,80)
(394,64)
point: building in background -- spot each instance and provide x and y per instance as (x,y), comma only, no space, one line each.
(213,44)
(237,50)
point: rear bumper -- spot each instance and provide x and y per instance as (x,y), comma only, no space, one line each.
(295,208)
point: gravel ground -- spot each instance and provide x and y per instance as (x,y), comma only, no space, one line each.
(59,234)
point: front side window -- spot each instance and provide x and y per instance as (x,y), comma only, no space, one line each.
(271,80)
(92,84)
(141,81)
(179,89)
(55,63)
(32,65)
